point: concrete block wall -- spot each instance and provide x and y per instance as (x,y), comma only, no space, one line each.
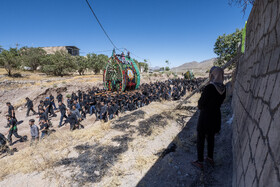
(256,101)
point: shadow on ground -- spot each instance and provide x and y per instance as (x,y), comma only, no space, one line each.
(173,168)
(95,160)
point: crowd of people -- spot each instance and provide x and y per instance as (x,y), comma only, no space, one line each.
(103,104)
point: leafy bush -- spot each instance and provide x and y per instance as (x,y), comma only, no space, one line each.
(97,62)
(10,60)
(59,64)
(226,47)
(82,64)
(32,57)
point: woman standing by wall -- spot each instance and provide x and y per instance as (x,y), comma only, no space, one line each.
(209,122)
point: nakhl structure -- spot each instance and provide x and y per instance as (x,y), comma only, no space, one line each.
(121,73)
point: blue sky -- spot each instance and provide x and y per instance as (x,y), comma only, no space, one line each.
(176,30)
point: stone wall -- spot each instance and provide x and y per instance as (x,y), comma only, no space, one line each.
(256,101)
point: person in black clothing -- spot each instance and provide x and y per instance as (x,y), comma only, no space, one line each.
(48,107)
(111,111)
(11,110)
(29,105)
(103,112)
(3,144)
(209,122)
(44,128)
(41,105)
(43,115)
(72,119)
(52,101)
(59,98)
(62,109)
(130,106)
(12,129)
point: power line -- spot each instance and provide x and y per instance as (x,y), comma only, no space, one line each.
(101,25)
(135,55)
(107,33)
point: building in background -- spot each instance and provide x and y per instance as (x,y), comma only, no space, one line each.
(72,50)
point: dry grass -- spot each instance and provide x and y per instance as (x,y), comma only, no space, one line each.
(143,162)
(42,80)
(45,155)
(49,151)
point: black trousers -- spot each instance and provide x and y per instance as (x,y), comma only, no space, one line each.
(201,136)
(28,110)
(50,110)
(13,132)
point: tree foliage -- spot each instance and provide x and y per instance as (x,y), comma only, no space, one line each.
(82,64)
(10,60)
(97,62)
(59,64)
(226,47)
(143,65)
(32,57)
(167,68)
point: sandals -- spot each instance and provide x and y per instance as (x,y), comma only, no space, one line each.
(198,164)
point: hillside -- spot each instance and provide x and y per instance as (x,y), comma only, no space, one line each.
(198,67)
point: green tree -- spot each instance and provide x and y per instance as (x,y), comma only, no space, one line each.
(226,47)
(143,65)
(82,64)
(59,64)
(32,57)
(97,62)
(167,68)
(10,60)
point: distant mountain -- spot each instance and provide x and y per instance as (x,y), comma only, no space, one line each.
(157,68)
(197,67)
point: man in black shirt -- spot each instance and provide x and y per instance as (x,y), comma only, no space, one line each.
(3,142)
(52,101)
(130,106)
(72,119)
(62,109)
(11,110)
(111,111)
(59,97)
(12,129)
(103,112)
(44,128)
(43,115)
(48,107)
(29,105)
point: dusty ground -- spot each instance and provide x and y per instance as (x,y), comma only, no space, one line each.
(128,151)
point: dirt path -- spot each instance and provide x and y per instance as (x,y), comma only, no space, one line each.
(175,168)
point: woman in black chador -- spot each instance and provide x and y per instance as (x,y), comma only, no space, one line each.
(209,122)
